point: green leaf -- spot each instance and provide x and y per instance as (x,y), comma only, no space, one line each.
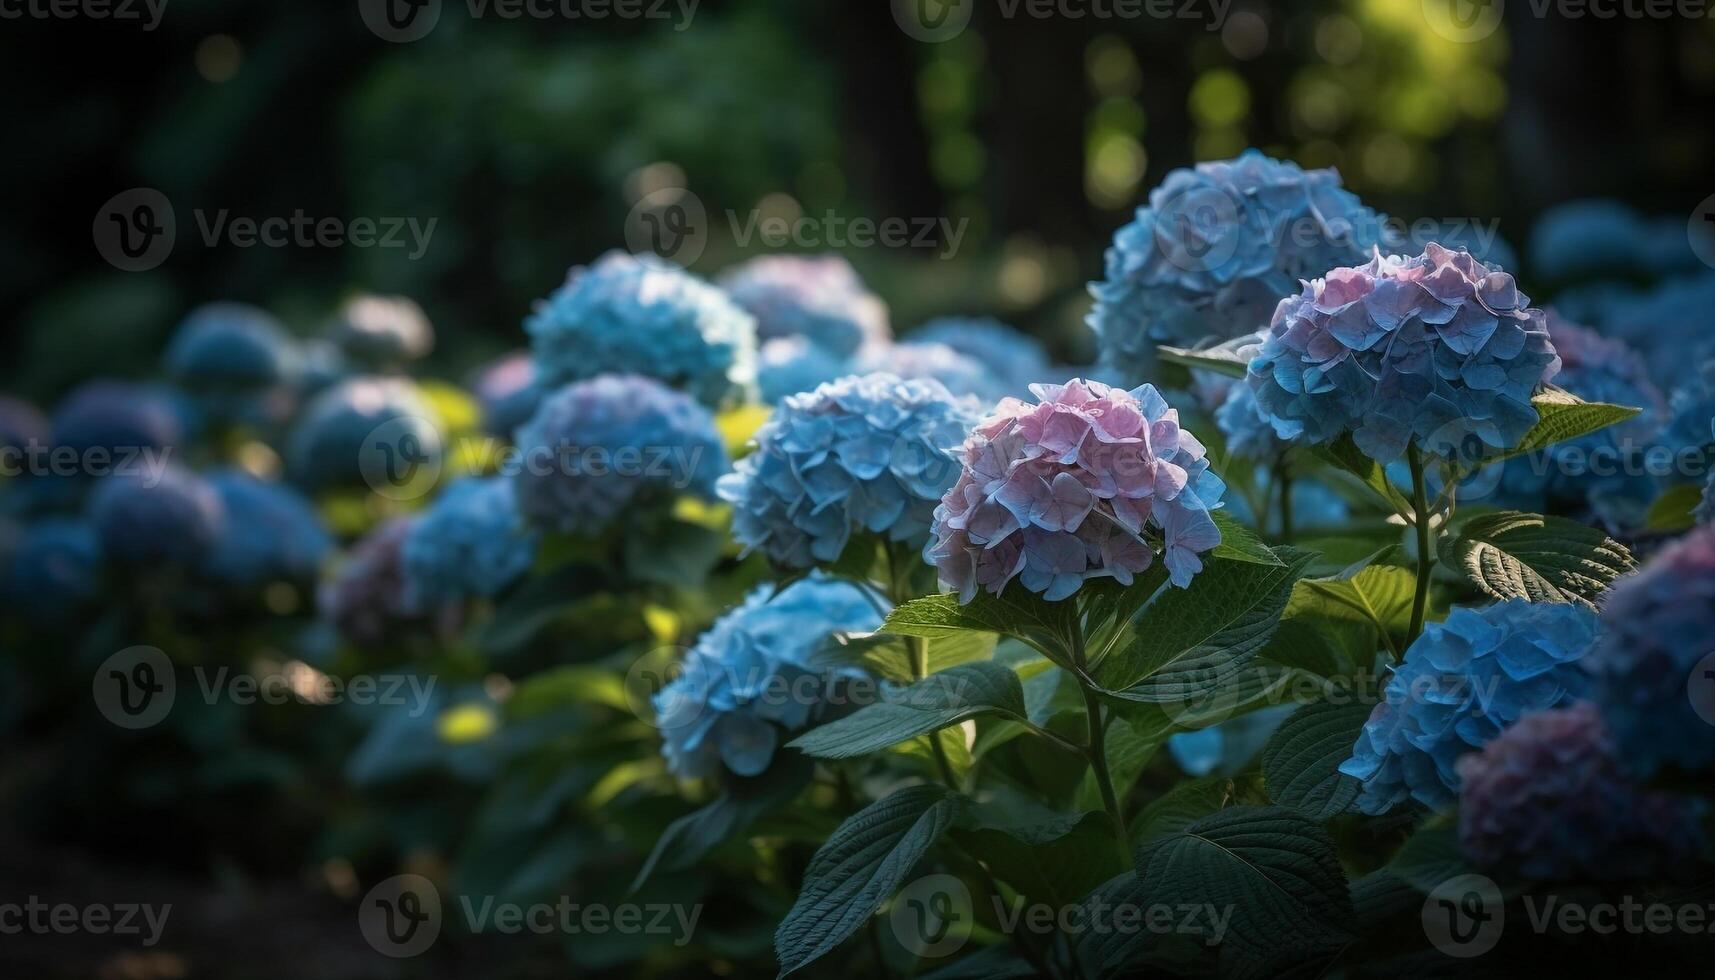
(1344,454)
(1364,600)
(1240,543)
(933,703)
(1017,612)
(542,601)
(1381,897)
(1300,764)
(1129,750)
(1190,801)
(673,552)
(860,866)
(1673,511)
(688,839)
(1223,359)
(1272,867)
(1430,857)
(1055,862)
(1510,555)
(1188,641)
(889,656)
(1562,416)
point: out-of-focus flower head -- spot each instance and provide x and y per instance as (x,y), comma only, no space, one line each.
(960,375)
(1227,748)
(789,365)
(383,331)
(1659,625)
(1706,511)
(147,520)
(117,416)
(1590,238)
(1671,325)
(470,542)
(870,452)
(819,298)
(596,449)
(1217,247)
(751,679)
(1438,349)
(1549,800)
(366,599)
(321,365)
(1087,482)
(230,348)
(1591,474)
(272,533)
(638,314)
(509,392)
(354,427)
(1017,358)
(21,424)
(1461,684)
(54,569)
(1248,432)
(1690,430)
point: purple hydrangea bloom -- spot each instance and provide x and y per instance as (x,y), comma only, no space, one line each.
(1215,250)
(819,298)
(638,314)
(272,533)
(1086,483)
(1660,625)
(1461,684)
(172,518)
(361,427)
(471,542)
(117,416)
(366,599)
(230,347)
(21,424)
(1439,350)
(912,359)
(870,452)
(383,331)
(1015,357)
(751,678)
(509,393)
(1548,800)
(790,365)
(54,569)
(596,449)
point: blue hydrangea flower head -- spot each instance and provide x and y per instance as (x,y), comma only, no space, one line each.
(21,424)
(1216,248)
(170,518)
(1485,244)
(366,600)
(1011,354)
(230,347)
(1548,800)
(1088,481)
(1461,684)
(1588,238)
(54,569)
(790,365)
(382,331)
(750,680)
(117,416)
(911,359)
(1706,511)
(866,452)
(272,533)
(341,434)
(471,542)
(1660,625)
(596,449)
(509,392)
(1249,433)
(1227,748)
(1439,349)
(1671,325)
(819,298)
(638,314)
(321,365)
(1690,431)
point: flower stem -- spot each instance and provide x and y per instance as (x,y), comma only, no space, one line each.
(1283,477)
(919,647)
(1097,748)
(1425,545)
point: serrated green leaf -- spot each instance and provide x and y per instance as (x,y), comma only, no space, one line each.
(1344,454)
(1510,555)
(1366,604)
(1190,801)
(937,701)
(1017,612)
(889,657)
(1055,862)
(860,866)
(1300,764)
(1240,543)
(1562,415)
(1673,511)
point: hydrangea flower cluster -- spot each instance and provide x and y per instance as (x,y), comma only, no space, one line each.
(1691,425)
(172,519)
(366,599)
(750,678)
(54,569)
(383,331)
(230,347)
(1548,800)
(594,449)
(1462,683)
(1013,356)
(340,436)
(1079,485)
(1594,238)
(116,416)
(471,542)
(819,298)
(1706,511)
(1671,325)
(866,451)
(1248,432)
(273,534)
(789,365)
(637,314)
(1216,249)
(960,375)
(509,392)
(1439,349)
(21,424)
(1660,625)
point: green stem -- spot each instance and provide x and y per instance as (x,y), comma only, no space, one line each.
(1097,749)
(1425,546)
(1283,477)
(919,647)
